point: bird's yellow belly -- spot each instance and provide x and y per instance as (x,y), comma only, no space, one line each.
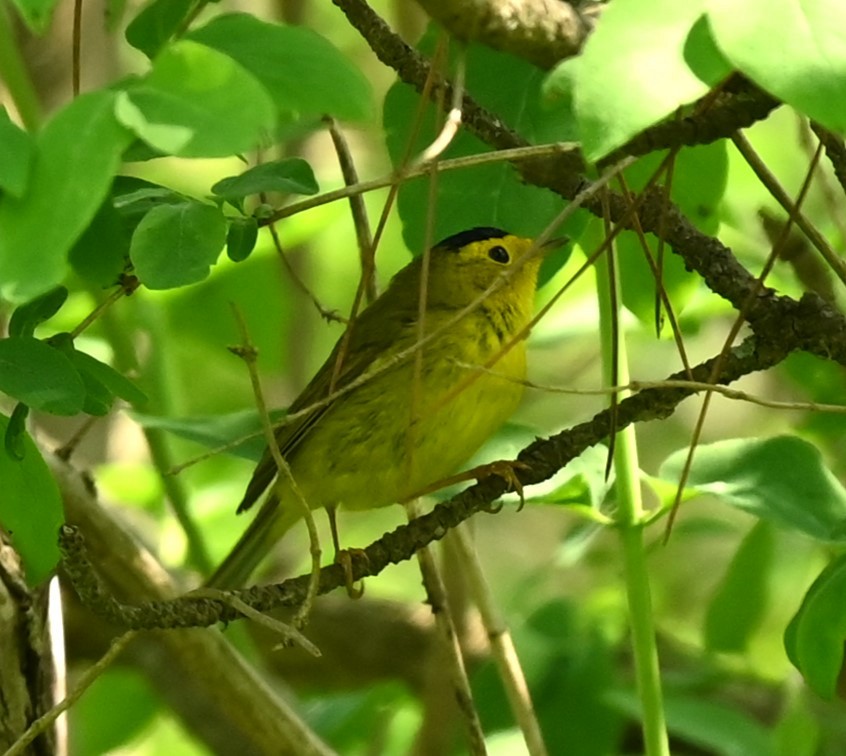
(398,442)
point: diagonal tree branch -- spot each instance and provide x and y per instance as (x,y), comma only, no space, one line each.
(814,325)
(236,711)
(542,460)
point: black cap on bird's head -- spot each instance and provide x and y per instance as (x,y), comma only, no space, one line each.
(463,238)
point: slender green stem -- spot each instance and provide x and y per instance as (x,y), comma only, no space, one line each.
(630,520)
(15,76)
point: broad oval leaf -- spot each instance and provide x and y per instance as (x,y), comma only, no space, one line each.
(115,383)
(39,375)
(623,84)
(77,154)
(100,254)
(16,432)
(30,508)
(30,314)
(815,637)
(304,73)
(740,602)
(291,175)
(16,151)
(783,479)
(156,23)
(217,430)
(176,245)
(241,238)
(794,50)
(197,102)
(123,703)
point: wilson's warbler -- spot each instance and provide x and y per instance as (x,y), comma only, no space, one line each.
(420,419)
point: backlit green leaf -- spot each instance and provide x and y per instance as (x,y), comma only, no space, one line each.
(77,154)
(197,102)
(39,375)
(176,245)
(30,508)
(782,478)
(304,73)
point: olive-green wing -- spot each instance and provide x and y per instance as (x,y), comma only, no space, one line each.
(375,332)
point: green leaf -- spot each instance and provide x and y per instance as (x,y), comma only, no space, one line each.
(175,245)
(815,636)
(15,436)
(117,384)
(622,85)
(581,481)
(806,67)
(37,14)
(783,479)
(291,175)
(113,713)
(134,197)
(156,23)
(197,102)
(304,73)
(30,508)
(217,430)
(16,150)
(100,254)
(39,375)
(27,316)
(98,399)
(77,153)
(799,729)
(718,728)
(740,601)
(484,195)
(241,238)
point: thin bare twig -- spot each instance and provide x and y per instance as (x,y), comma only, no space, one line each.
(248,353)
(778,193)
(502,644)
(325,313)
(85,681)
(746,149)
(359,212)
(436,595)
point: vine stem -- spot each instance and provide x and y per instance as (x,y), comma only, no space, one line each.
(630,521)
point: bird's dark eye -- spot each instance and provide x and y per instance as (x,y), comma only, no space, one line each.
(499,254)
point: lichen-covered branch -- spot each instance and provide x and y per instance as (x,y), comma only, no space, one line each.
(540,31)
(541,460)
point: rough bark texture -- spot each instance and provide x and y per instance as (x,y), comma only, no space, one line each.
(540,31)
(25,662)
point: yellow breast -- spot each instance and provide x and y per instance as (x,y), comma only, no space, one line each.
(412,425)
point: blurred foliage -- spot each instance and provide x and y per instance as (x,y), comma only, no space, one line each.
(151,176)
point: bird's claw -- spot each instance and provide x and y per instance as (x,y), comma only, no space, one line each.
(505,469)
(344,557)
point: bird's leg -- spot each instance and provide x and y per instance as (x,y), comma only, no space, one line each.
(344,557)
(505,469)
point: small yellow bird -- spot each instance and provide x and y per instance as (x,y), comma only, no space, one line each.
(420,418)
